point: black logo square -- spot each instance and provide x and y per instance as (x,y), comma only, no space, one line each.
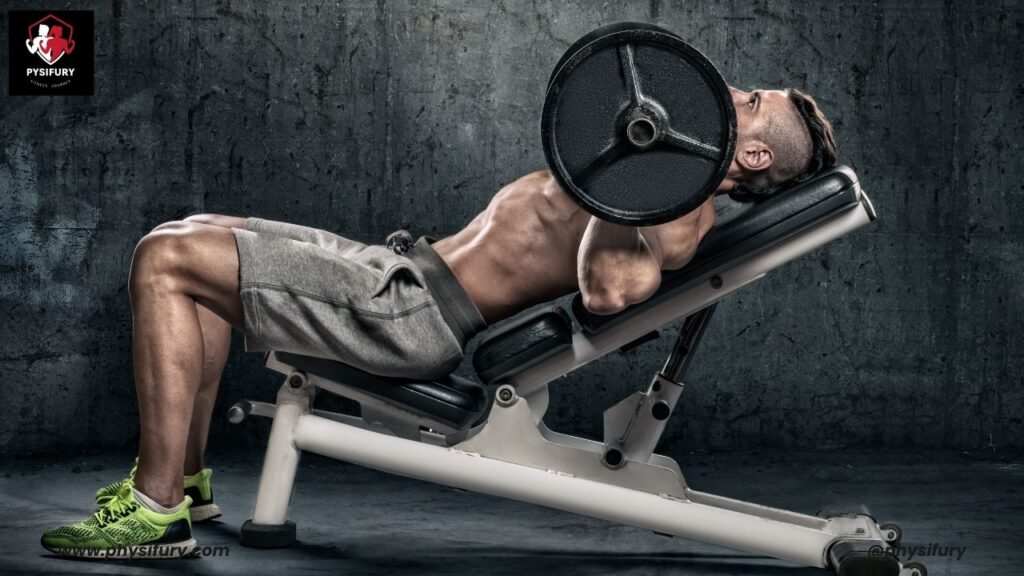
(50,52)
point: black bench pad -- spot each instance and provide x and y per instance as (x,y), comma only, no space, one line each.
(453,400)
(523,343)
(760,225)
(540,335)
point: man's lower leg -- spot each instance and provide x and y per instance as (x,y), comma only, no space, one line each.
(216,345)
(168,358)
(174,274)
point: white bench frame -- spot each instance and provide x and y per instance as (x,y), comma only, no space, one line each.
(514,455)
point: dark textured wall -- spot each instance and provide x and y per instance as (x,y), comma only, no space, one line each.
(362,117)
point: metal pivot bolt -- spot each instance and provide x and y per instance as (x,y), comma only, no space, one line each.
(236,414)
(506,395)
(296,380)
(891,533)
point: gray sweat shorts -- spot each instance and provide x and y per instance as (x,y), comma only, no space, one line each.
(311,292)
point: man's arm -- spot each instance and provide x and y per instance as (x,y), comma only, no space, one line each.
(616,267)
(621,265)
(676,242)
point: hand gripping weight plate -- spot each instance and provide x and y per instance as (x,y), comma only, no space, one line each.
(638,126)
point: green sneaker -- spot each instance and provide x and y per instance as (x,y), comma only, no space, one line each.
(125,529)
(197,486)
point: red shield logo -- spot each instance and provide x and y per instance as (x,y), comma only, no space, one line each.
(50,39)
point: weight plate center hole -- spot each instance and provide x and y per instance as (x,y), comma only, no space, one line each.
(642,132)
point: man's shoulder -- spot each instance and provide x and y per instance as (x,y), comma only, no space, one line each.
(536,177)
(540,181)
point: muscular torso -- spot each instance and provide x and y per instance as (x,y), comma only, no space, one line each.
(522,250)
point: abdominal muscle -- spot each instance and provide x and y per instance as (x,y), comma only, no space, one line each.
(521,250)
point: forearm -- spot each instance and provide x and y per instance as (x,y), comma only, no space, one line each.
(616,267)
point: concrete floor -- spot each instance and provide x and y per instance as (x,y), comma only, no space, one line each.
(356,521)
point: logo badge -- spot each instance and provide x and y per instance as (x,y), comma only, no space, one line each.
(51,53)
(50,38)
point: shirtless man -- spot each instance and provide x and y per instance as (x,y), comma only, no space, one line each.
(298,289)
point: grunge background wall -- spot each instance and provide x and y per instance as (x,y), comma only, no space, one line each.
(362,117)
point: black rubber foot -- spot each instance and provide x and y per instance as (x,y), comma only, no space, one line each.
(861,564)
(267,535)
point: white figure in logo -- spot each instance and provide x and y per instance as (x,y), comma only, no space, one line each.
(38,44)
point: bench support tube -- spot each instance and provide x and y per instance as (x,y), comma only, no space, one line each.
(470,471)
(282,458)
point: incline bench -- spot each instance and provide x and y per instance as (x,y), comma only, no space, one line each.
(490,436)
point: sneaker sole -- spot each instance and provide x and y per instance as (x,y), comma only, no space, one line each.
(204,512)
(148,551)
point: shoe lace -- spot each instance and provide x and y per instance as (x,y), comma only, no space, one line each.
(118,507)
(118,485)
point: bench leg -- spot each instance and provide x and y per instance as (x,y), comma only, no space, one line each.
(269,526)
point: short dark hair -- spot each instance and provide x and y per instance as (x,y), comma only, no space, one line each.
(802,149)
(823,140)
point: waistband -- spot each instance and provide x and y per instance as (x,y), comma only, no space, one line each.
(457,308)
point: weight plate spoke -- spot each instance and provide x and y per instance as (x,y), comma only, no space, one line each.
(630,73)
(586,175)
(679,140)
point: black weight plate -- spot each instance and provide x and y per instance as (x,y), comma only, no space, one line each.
(670,168)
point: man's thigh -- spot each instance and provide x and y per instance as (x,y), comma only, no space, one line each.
(322,238)
(218,220)
(311,292)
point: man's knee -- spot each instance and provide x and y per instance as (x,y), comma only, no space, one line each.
(160,257)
